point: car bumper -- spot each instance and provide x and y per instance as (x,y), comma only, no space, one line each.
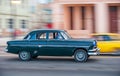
(93,52)
(6,50)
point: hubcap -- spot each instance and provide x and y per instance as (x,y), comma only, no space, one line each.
(24,55)
(80,56)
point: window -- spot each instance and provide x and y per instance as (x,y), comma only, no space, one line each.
(55,35)
(23,24)
(31,36)
(65,35)
(106,38)
(102,38)
(98,38)
(10,23)
(32,9)
(51,36)
(41,36)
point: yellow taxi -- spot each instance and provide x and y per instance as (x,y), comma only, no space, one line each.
(108,42)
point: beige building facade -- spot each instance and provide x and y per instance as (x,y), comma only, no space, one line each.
(87,16)
(14,17)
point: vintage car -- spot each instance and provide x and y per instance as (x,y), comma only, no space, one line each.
(109,43)
(52,43)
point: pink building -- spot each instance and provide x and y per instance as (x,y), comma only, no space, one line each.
(87,16)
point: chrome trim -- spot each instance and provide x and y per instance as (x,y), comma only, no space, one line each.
(94,51)
(51,45)
(62,46)
(6,50)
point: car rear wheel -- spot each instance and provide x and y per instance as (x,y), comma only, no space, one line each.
(80,55)
(24,55)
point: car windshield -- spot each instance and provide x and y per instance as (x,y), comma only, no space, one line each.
(65,35)
(27,37)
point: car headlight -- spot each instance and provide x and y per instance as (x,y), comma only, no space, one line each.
(94,43)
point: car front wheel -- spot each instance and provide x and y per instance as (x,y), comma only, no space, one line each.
(24,55)
(80,55)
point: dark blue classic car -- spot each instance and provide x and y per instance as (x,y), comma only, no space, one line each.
(52,43)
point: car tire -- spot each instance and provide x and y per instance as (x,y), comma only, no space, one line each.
(80,55)
(88,56)
(24,55)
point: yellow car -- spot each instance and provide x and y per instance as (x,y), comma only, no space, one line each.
(108,42)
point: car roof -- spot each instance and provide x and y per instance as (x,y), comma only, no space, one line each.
(48,30)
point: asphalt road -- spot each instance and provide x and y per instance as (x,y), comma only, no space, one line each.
(10,65)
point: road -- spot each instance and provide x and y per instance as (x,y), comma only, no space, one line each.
(10,65)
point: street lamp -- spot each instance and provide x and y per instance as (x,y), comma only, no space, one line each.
(14,4)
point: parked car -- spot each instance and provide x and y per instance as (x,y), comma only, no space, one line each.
(109,43)
(52,43)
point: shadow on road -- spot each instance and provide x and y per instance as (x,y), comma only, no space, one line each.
(50,59)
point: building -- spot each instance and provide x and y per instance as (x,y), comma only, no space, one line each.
(41,14)
(14,16)
(35,13)
(44,14)
(87,16)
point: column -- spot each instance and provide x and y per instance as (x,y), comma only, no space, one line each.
(88,19)
(118,19)
(57,16)
(77,18)
(66,17)
(101,16)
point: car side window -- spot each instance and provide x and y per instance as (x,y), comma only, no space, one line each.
(102,37)
(41,35)
(55,35)
(106,38)
(31,36)
(99,38)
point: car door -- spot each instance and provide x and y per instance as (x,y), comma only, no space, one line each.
(41,42)
(56,45)
(37,42)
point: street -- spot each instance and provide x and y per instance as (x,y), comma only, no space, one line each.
(10,65)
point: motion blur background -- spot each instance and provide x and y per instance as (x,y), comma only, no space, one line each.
(79,17)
